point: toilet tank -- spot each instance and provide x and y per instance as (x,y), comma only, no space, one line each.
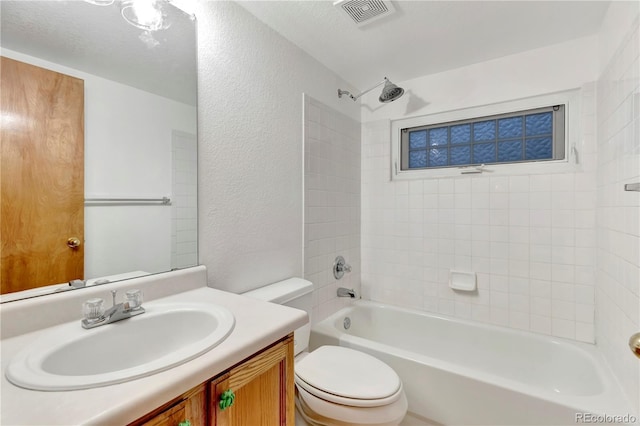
(295,293)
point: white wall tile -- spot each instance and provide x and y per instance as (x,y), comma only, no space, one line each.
(551,249)
(531,237)
(184,212)
(540,324)
(332,216)
(614,244)
(563,328)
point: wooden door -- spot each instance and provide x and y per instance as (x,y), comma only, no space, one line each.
(41,176)
(263,387)
(192,409)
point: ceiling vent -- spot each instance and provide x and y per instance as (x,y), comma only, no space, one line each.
(363,12)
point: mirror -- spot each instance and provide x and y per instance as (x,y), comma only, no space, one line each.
(131,93)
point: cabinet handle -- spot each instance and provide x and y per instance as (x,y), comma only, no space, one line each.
(226,399)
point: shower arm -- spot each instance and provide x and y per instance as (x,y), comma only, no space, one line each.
(355,98)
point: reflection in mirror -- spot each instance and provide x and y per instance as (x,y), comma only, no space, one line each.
(98,159)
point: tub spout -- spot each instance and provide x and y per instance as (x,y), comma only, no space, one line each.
(345,292)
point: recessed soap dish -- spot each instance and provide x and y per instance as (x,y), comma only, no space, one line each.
(462,281)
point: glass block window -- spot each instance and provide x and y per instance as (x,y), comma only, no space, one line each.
(523,136)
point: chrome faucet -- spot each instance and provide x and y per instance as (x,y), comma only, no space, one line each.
(340,266)
(345,292)
(94,317)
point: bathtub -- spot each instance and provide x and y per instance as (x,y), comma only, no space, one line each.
(458,372)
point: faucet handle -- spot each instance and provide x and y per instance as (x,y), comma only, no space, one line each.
(93,309)
(340,266)
(134,298)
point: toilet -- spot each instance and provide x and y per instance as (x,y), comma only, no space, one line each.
(336,386)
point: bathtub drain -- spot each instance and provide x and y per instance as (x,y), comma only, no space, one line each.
(347,323)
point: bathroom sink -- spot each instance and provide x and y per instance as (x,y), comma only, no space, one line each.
(69,357)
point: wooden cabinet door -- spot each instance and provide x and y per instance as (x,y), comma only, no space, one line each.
(192,406)
(42,176)
(263,388)
(172,417)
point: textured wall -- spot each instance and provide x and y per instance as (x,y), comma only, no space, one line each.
(331,203)
(618,224)
(250,192)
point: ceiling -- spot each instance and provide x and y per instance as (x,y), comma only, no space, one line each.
(425,37)
(421,37)
(98,41)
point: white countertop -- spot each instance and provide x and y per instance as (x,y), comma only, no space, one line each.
(258,324)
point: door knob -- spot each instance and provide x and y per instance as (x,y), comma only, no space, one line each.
(634,344)
(73,242)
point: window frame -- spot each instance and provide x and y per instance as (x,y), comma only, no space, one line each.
(570,100)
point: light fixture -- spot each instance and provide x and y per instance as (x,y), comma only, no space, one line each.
(390,92)
(100,2)
(148,15)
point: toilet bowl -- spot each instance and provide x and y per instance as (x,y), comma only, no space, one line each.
(342,386)
(336,386)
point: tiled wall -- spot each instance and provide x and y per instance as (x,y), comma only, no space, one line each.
(618,218)
(530,239)
(331,203)
(184,204)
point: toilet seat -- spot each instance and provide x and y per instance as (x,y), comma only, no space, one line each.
(349,377)
(350,402)
(341,386)
(317,411)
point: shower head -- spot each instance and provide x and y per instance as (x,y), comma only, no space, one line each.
(390,92)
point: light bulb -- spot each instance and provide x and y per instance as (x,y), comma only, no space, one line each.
(100,2)
(145,14)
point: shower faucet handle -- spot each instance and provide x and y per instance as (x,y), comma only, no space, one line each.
(340,266)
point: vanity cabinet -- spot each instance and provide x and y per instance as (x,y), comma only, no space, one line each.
(192,407)
(261,388)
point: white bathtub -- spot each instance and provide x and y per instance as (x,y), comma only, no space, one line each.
(457,372)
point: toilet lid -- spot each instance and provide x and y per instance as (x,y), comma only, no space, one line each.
(348,373)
